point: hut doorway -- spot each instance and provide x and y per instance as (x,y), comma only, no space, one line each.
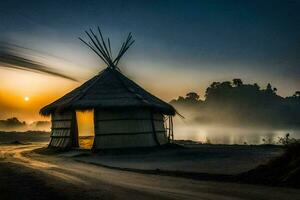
(86,131)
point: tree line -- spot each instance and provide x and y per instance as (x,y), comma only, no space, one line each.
(247,104)
(14,124)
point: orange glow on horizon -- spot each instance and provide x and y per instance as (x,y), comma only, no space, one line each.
(23,94)
(43,89)
(161,81)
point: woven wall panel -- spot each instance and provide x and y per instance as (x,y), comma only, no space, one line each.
(60,142)
(162,137)
(133,114)
(61,130)
(61,124)
(133,128)
(124,141)
(160,129)
(124,126)
(61,116)
(61,133)
(159,125)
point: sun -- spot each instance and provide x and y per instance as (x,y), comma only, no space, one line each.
(26,98)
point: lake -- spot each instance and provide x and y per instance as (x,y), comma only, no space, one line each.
(217,134)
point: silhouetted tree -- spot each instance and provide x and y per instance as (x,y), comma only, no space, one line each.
(225,84)
(12,122)
(229,102)
(192,96)
(297,94)
(256,86)
(269,87)
(180,99)
(237,82)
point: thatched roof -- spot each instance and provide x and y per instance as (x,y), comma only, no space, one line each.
(110,89)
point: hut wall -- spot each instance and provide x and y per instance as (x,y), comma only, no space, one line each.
(131,128)
(62,130)
(160,129)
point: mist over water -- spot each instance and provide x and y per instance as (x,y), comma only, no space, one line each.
(225,134)
(234,112)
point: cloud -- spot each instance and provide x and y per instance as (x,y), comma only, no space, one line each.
(10,57)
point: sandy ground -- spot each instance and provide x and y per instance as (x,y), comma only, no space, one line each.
(213,159)
(24,137)
(27,175)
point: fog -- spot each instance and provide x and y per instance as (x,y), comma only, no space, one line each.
(218,134)
(14,124)
(229,132)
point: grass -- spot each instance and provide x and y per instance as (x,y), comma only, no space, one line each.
(281,171)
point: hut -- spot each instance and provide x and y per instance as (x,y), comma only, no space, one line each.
(125,115)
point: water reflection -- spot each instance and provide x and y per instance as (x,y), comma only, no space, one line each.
(230,135)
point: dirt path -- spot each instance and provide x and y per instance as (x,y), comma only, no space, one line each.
(67,179)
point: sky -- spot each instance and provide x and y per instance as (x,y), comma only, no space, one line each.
(180,46)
